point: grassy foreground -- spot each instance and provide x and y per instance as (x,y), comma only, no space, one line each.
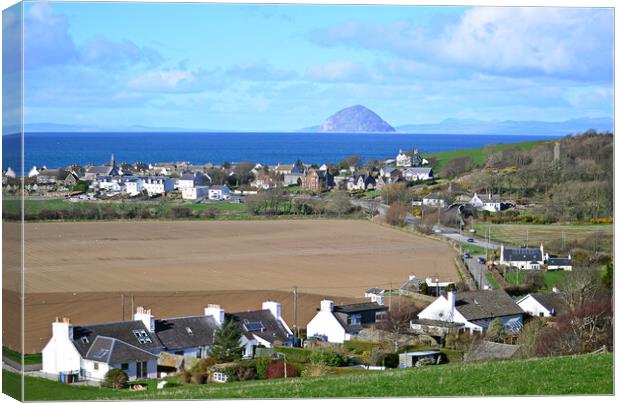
(591,374)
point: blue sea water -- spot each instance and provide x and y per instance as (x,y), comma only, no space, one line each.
(61,149)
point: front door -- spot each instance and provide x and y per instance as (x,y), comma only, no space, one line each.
(142,369)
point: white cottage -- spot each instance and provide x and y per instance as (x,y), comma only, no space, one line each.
(339,323)
(472,311)
(543,304)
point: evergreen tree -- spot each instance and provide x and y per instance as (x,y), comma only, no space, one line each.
(226,346)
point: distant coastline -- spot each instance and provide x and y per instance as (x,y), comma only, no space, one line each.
(55,149)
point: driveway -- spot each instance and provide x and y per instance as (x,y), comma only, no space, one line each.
(478,271)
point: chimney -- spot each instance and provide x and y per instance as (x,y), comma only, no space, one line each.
(146,317)
(412,277)
(216,311)
(451,303)
(274,307)
(327,305)
(62,329)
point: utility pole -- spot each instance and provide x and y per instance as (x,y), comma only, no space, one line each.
(295,311)
(390,300)
(122,307)
(132,306)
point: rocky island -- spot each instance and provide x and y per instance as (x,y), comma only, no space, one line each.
(356,119)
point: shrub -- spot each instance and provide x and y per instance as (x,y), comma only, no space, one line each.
(185,376)
(115,378)
(203,364)
(375,357)
(316,370)
(198,378)
(276,370)
(391,360)
(323,356)
(261,366)
(246,373)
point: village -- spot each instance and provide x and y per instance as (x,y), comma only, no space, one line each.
(512,300)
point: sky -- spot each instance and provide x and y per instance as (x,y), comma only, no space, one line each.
(286,67)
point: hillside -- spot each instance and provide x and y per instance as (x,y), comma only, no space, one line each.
(586,374)
(356,119)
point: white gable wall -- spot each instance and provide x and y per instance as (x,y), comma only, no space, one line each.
(325,324)
(530,305)
(60,355)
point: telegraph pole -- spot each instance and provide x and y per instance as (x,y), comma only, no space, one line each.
(122,307)
(132,307)
(295,311)
(390,301)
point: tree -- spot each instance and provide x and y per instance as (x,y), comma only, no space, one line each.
(495,331)
(529,336)
(456,167)
(580,287)
(115,378)
(352,161)
(397,215)
(340,204)
(226,346)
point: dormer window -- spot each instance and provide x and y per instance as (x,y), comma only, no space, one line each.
(189,331)
(142,336)
(84,340)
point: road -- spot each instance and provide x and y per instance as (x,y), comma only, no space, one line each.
(478,271)
(453,234)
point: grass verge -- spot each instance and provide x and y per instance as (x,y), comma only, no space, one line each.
(572,375)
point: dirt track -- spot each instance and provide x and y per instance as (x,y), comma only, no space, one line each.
(253,261)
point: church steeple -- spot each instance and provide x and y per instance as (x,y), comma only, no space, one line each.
(112,161)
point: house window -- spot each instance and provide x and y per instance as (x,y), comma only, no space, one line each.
(142,336)
(142,369)
(355,319)
(220,377)
(95,365)
(125,367)
(380,316)
(84,339)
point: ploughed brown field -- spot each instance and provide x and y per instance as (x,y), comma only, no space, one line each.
(80,270)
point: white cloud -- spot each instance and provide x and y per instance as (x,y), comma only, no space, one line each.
(341,70)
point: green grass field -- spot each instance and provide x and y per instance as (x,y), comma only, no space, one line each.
(492,280)
(478,155)
(587,374)
(551,277)
(535,234)
(16,357)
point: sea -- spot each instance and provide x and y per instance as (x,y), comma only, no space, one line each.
(55,150)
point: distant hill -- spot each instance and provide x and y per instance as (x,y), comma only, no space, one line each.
(356,119)
(532,127)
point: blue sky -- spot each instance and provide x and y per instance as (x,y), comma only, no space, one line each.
(284,67)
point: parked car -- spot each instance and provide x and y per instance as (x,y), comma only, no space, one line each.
(472,230)
(481,260)
(466,255)
(470,240)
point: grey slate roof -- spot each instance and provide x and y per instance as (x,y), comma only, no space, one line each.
(272,330)
(488,350)
(173,333)
(361,307)
(114,351)
(486,304)
(342,318)
(551,301)
(523,254)
(437,323)
(122,331)
(559,261)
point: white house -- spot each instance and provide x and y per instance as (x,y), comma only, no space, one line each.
(89,355)
(33,172)
(402,159)
(134,186)
(110,183)
(360,182)
(488,202)
(190,180)
(156,185)
(522,258)
(219,192)
(558,263)
(434,200)
(337,324)
(543,304)
(418,174)
(472,311)
(195,193)
(9,173)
